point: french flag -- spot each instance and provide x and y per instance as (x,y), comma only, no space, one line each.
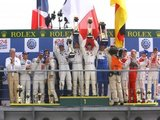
(84,10)
(39,15)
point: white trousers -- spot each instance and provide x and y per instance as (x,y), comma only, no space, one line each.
(125,79)
(51,87)
(26,85)
(78,79)
(153,77)
(140,89)
(38,79)
(65,75)
(90,76)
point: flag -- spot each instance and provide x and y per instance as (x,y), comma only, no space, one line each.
(120,20)
(40,15)
(83,9)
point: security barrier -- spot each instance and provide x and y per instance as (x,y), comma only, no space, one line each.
(77,108)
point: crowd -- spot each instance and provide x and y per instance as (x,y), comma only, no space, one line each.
(94,67)
(125,86)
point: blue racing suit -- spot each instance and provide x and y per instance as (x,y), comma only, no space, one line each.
(102,76)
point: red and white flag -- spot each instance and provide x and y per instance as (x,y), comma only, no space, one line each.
(39,15)
(83,9)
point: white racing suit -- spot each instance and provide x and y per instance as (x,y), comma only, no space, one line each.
(125,76)
(51,80)
(62,57)
(38,80)
(153,76)
(89,59)
(141,77)
(77,64)
(25,81)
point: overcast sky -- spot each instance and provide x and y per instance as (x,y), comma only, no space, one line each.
(142,14)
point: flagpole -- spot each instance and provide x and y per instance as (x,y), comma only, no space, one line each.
(38,15)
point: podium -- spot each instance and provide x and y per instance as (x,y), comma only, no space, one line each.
(84,101)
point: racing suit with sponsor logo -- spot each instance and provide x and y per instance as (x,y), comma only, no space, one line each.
(38,80)
(50,76)
(125,76)
(25,80)
(132,80)
(89,59)
(77,64)
(141,77)
(102,76)
(153,76)
(62,57)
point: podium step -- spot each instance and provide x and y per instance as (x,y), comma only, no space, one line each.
(35,104)
(141,104)
(84,101)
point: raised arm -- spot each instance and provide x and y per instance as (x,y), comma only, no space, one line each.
(83,46)
(96,47)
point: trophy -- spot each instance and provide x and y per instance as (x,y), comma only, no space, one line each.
(39,94)
(51,98)
(70,48)
(27,98)
(90,28)
(75,32)
(103,33)
(19,91)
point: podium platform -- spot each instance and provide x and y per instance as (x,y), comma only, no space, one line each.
(84,101)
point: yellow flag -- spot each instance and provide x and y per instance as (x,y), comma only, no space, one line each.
(120,20)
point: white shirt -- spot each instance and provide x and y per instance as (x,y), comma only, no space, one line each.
(15,66)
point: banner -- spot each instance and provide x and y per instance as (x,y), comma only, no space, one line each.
(31,45)
(4,45)
(146,44)
(58,41)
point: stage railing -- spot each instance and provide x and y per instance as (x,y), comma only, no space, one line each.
(67,99)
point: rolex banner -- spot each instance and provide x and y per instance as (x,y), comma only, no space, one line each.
(34,41)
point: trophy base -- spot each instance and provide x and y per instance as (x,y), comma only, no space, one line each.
(39,101)
(89,35)
(76,33)
(104,40)
(19,100)
(71,55)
